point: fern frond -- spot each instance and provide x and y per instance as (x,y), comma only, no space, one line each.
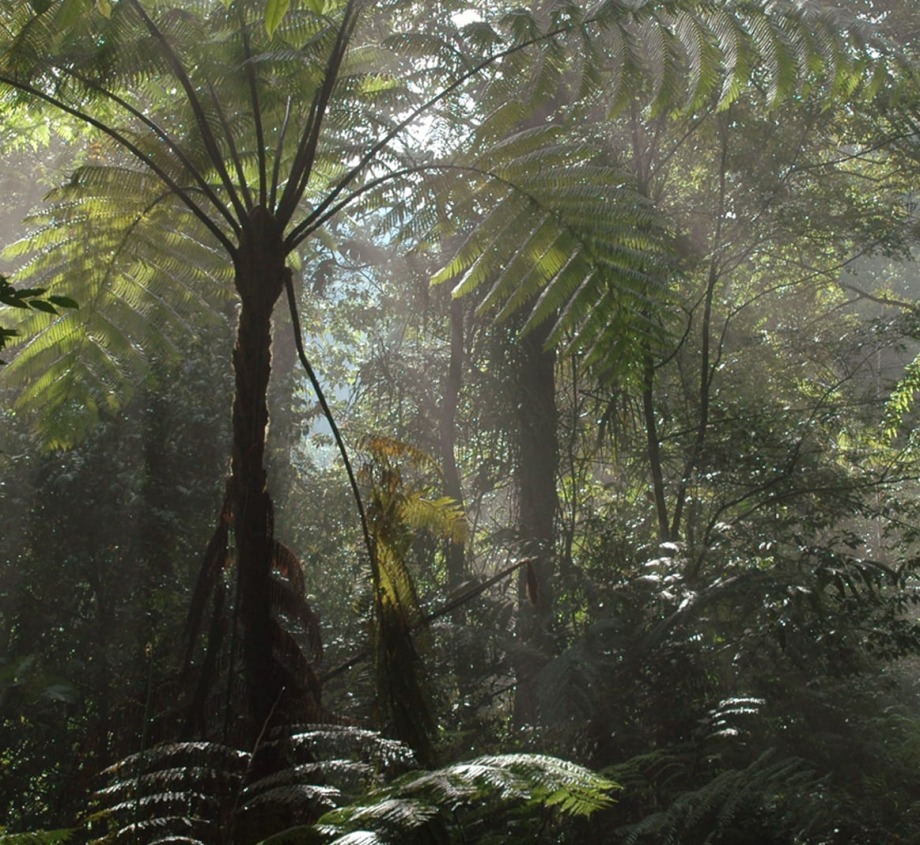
(481,785)
(563,238)
(37,837)
(146,277)
(763,790)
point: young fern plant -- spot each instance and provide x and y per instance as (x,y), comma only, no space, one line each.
(398,511)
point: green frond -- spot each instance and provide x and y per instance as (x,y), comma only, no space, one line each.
(147,281)
(664,67)
(341,744)
(481,785)
(37,837)
(735,795)
(564,237)
(704,59)
(474,262)
(441,517)
(737,59)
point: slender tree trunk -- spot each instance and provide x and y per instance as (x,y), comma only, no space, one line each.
(706,369)
(654,448)
(538,460)
(447,423)
(259,279)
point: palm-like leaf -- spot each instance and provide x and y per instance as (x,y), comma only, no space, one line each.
(469,791)
(566,238)
(146,277)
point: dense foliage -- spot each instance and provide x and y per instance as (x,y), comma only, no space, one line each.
(588,338)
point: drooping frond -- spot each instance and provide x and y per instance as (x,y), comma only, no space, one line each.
(567,240)
(683,55)
(171,792)
(146,278)
(340,784)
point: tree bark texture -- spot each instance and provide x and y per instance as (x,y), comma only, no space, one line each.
(259,279)
(538,458)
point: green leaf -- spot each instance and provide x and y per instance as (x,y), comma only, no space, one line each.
(38,837)
(63,301)
(41,305)
(274,14)
(70,12)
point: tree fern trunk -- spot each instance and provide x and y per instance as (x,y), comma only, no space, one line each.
(259,279)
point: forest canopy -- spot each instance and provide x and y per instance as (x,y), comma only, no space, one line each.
(459,422)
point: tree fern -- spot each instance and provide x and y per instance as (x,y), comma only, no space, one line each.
(397,512)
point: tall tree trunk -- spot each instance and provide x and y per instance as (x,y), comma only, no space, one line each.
(259,279)
(538,460)
(447,424)
(653,445)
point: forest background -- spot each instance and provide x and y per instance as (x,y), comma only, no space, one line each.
(611,313)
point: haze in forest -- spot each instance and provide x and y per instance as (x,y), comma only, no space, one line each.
(459,422)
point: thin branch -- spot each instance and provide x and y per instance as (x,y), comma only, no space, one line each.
(337,435)
(131,147)
(279,149)
(250,69)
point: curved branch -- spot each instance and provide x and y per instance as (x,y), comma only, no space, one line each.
(337,435)
(131,147)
